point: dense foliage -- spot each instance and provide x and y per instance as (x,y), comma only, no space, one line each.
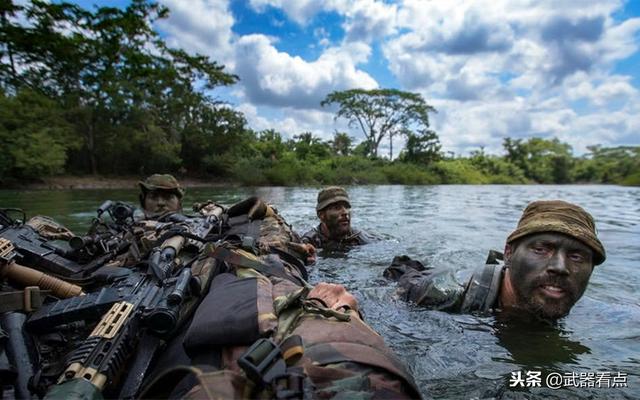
(99,92)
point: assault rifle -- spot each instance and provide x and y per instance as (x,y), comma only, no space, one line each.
(29,277)
(145,305)
(105,239)
(36,251)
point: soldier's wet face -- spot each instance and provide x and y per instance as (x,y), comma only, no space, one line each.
(549,272)
(337,218)
(159,201)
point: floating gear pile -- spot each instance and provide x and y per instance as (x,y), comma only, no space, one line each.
(208,306)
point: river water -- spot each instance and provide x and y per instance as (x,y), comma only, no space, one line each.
(456,356)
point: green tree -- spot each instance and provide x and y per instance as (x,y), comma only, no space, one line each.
(305,146)
(608,164)
(542,160)
(363,149)
(35,136)
(381,113)
(270,145)
(117,79)
(341,143)
(423,148)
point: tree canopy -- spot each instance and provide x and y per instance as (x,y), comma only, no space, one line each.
(381,113)
(116,82)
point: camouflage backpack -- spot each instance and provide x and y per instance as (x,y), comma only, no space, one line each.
(256,334)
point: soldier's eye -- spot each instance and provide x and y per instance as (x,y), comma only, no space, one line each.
(577,257)
(539,249)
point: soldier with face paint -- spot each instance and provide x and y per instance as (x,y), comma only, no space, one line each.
(334,231)
(544,271)
(160,194)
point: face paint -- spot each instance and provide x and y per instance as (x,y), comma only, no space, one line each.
(549,273)
(160,201)
(337,219)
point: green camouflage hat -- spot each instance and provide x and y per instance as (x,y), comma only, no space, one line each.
(560,216)
(161,182)
(331,195)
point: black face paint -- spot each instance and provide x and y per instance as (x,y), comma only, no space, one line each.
(160,201)
(549,273)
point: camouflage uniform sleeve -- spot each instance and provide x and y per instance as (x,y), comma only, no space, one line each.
(435,288)
(312,237)
(365,237)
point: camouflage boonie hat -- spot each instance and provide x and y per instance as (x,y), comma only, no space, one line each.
(161,182)
(560,216)
(330,195)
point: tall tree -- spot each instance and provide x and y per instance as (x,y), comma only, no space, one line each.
(305,145)
(381,113)
(341,143)
(423,147)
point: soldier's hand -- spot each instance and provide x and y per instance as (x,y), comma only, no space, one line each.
(334,296)
(310,252)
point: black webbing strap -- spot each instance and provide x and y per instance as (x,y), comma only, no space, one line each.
(26,300)
(483,288)
(236,258)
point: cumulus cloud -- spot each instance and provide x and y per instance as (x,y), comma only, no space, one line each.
(366,20)
(300,11)
(517,68)
(200,26)
(271,77)
(288,121)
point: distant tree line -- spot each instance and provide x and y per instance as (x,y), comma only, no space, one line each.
(100,92)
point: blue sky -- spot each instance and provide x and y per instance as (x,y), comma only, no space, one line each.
(492,68)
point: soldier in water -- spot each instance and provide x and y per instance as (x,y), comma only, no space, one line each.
(160,194)
(547,262)
(334,231)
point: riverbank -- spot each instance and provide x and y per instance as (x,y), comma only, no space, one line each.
(105,182)
(381,174)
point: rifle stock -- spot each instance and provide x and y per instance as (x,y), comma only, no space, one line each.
(26,276)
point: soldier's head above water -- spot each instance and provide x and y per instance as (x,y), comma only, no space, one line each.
(160,193)
(334,211)
(549,259)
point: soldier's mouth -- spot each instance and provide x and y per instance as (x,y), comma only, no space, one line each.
(552,291)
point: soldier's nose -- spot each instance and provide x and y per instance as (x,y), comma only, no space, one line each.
(557,264)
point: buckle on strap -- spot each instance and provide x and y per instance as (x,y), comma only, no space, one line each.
(263,362)
(289,385)
(32,300)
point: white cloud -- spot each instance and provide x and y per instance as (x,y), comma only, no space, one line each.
(517,68)
(200,26)
(288,121)
(300,11)
(271,77)
(367,20)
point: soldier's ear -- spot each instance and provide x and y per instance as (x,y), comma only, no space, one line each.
(320,214)
(508,252)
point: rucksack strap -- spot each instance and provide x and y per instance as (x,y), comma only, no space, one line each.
(27,300)
(484,286)
(275,268)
